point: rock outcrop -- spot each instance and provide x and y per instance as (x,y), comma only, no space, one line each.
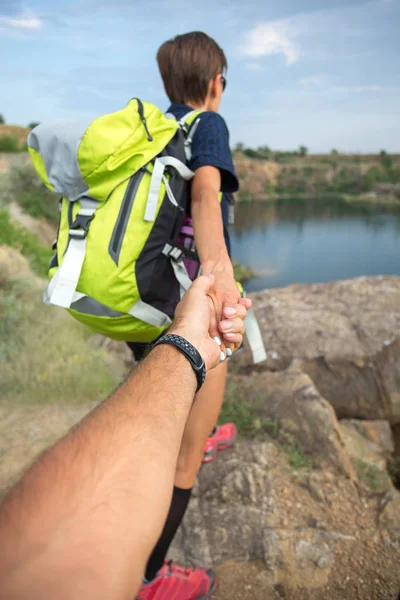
(290,403)
(344,335)
(249,504)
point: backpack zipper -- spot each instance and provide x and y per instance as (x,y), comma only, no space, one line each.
(121,223)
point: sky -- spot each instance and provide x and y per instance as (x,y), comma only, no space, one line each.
(323,73)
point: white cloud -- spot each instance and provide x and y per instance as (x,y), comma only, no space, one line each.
(272,37)
(252,66)
(313,80)
(23,22)
(360,88)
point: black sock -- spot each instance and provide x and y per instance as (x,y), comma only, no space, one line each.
(180,499)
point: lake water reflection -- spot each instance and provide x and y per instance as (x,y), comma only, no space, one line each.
(316,240)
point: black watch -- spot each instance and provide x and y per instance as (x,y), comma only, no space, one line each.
(189,351)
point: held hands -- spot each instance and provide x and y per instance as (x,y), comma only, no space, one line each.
(196,320)
(226,299)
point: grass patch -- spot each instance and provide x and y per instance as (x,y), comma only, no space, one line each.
(26,242)
(32,195)
(293,450)
(371,476)
(43,353)
(251,424)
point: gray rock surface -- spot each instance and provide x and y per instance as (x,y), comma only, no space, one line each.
(290,401)
(250,505)
(344,335)
(369,441)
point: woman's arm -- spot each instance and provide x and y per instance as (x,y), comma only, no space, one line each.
(210,242)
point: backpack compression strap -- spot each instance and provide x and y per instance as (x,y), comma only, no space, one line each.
(157,177)
(62,287)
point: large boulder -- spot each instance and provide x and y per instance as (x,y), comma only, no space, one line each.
(344,335)
(289,407)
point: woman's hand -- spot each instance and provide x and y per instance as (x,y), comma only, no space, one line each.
(230,312)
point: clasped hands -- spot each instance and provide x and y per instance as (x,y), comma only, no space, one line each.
(216,329)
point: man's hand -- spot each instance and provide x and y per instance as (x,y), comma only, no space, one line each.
(192,320)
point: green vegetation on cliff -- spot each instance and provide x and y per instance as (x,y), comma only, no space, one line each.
(268,175)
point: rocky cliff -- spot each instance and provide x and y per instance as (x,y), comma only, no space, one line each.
(329,527)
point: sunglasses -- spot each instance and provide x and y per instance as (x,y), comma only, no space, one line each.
(224,82)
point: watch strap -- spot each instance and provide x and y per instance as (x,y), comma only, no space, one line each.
(189,351)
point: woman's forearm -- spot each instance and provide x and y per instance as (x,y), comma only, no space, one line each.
(209,233)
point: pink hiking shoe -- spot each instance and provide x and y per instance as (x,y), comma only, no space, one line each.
(222,437)
(176,583)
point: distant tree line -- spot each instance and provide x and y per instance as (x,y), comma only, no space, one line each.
(266,153)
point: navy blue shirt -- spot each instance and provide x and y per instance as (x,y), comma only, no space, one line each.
(210,147)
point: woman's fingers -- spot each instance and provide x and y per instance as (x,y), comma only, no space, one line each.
(246,302)
(233,338)
(213,331)
(238,310)
(232,332)
(235,325)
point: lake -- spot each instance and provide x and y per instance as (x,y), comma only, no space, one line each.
(317,240)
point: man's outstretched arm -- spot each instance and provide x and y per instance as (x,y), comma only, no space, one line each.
(84,519)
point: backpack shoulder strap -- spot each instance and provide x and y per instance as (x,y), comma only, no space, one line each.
(188,124)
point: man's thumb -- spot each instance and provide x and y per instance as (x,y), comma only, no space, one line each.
(204,283)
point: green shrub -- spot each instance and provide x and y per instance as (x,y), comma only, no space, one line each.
(386,160)
(241,272)
(253,153)
(26,242)
(9,143)
(308,172)
(394,175)
(303,151)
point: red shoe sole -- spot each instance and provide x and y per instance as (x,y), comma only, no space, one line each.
(212,589)
(209,457)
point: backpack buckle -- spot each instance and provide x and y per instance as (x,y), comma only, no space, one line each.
(80,227)
(172,252)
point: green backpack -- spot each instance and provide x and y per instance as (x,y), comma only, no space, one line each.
(124,182)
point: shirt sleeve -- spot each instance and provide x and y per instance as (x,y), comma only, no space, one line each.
(210,147)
